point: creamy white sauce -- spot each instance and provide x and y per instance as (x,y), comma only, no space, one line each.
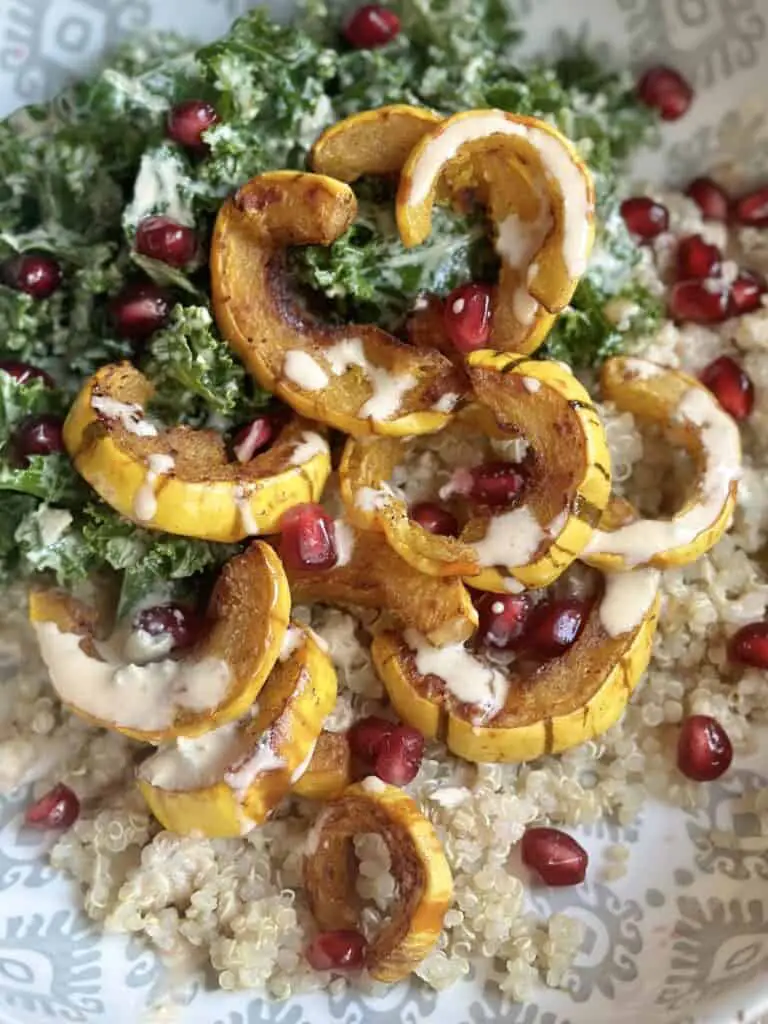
(345,541)
(524,306)
(292,641)
(518,240)
(301,368)
(512,539)
(137,696)
(129,414)
(468,679)
(141,647)
(241,776)
(388,388)
(370,499)
(145,500)
(159,188)
(196,763)
(311,444)
(301,768)
(245,451)
(446,402)
(531,384)
(627,599)
(244,510)
(640,369)
(373,784)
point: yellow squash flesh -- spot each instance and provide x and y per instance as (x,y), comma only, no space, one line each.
(329,771)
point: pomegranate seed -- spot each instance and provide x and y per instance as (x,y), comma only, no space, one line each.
(554,626)
(730,385)
(749,646)
(335,951)
(399,756)
(372,26)
(163,239)
(435,519)
(697,258)
(467,315)
(366,736)
(746,293)
(644,217)
(752,209)
(666,91)
(188,120)
(33,273)
(39,435)
(140,309)
(253,437)
(308,538)
(700,302)
(704,751)
(23,373)
(502,618)
(709,197)
(58,808)
(180,622)
(495,483)
(555,856)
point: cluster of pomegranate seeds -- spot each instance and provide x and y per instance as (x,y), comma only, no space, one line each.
(140,309)
(188,120)
(467,316)
(704,751)
(58,808)
(254,437)
(731,386)
(308,538)
(392,752)
(181,622)
(555,856)
(371,26)
(697,258)
(501,619)
(495,484)
(710,198)
(23,373)
(666,91)
(34,273)
(699,302)
(644,217)
(335,951)
(165,240)
(752,210)
(39,435)
(434,518)
(553,626)
(749,645)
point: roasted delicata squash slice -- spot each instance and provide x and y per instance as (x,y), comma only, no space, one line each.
(690,417)
(214,683)
(489,713)
(539,195)
(354,377)
(329,771)
(374,576)
(424,882)
(181,480)
(228,780)
(372,142)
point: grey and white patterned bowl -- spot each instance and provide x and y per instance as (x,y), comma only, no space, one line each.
(683,937)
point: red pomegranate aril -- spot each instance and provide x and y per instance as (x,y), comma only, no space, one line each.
(704,751)
(699,302)
(254,437)
(665,90)
(746,293)
(467,316)
(39,435)
(140,309)
(180,622)
(163,239)
(366,736)
(188,120)
(730,385)
(399,756)
(495,484)
(752,210)
(58,808)
(710,198)
(555,856)
(308,538)
(23,373)
(644,217)
(749,645)
(34,273)
(434,518)
(371,26)
(502,618)
(697,258)
(554,626)
(336,951)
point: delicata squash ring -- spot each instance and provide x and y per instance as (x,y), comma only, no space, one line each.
(424,882)
(329,771)
(485,713)
(226,781)
(180,480)
(354,377)
(540,196)
(375,576)
(691,417)
(215,683)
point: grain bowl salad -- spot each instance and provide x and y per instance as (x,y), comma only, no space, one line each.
(383,489)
